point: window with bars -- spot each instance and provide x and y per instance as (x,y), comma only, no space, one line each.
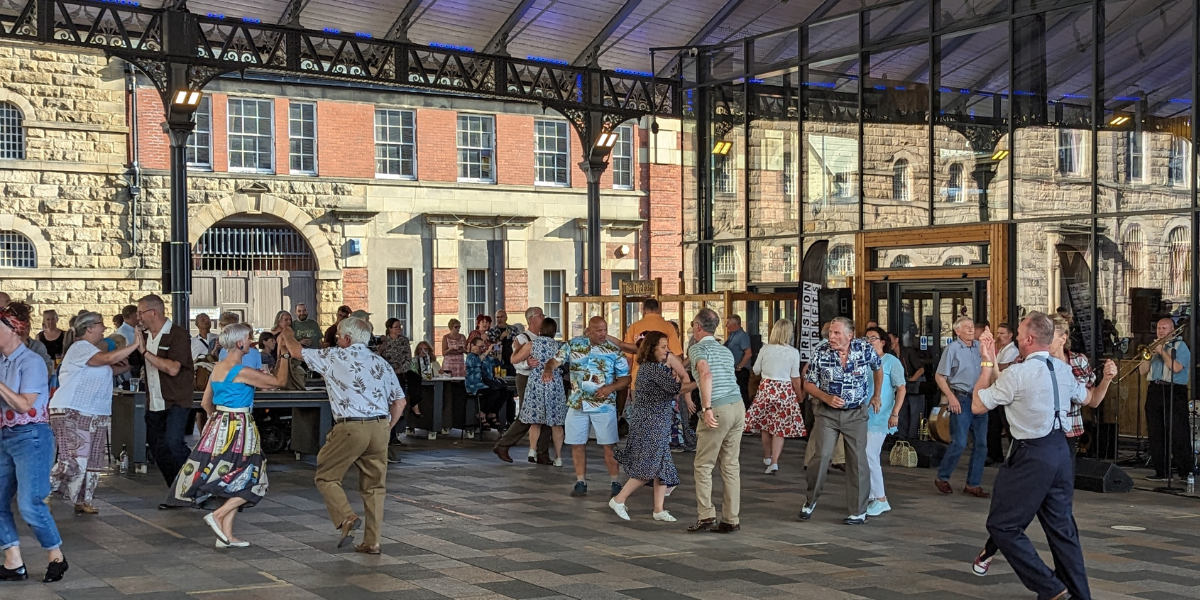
(954,188)
(840,262)
(477,293)
(199,143)
(16,251)
(399,297)
(954,261)
(395,143)
(901,261)
(789,263)
(1133,245)
(725,260)
(789,176)
(901,185)
(723,179)
(247,249)
(1179,161)
(551,153)
(12,132)
(1070,152)
(1179,246)
(622,159)
(1135,158)
(302,138)
(476,148)
(552,293)
(251,135)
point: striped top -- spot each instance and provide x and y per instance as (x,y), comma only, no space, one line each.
(720,362)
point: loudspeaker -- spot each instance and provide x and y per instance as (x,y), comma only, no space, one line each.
(837,302)
(929,453)
(1099,476)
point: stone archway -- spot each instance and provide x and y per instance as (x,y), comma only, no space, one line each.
(291,214)
(41,247)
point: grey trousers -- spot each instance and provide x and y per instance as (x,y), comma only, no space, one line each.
(516,430)
(852,425)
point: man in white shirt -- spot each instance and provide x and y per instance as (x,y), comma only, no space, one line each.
(515,432)
(1038,478)
(367,401)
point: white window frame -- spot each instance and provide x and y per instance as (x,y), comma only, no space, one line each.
(12,132)
(476,147)
(1179,162)
(257,136)
(551,153)
(386,136)
(1135,139)
(954,183)
(901,181)
(840,261)
(201,136)
(1133,251)
(399,297)
(1073,143)
(552,293)
(724,174)
(298,137)
(1179,251)
(724,260)
(622,159)
(17,251)
(477,294)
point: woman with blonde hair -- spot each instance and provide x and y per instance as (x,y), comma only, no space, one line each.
(454,350)
(775,411)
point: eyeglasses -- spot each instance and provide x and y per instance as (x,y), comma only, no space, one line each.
(142,312)
(873,338)
(456,327)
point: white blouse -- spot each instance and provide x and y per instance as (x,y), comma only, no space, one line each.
(778,362)
(84,388)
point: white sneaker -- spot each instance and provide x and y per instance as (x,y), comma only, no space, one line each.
(669,490)
(876,508)
(664,516)
(532,455)
(619,509)
(767,461)
(558,462)
(771,470)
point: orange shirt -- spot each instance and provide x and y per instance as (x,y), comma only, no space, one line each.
(648,323)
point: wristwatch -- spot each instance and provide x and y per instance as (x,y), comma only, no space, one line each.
(286,356)
(705,408)
(987,363)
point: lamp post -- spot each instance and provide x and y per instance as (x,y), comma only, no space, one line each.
(593,168)
(181,105)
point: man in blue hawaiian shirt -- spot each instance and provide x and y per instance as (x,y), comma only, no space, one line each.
(844,376)
(598,371)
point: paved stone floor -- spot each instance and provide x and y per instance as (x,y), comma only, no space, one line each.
(461,524)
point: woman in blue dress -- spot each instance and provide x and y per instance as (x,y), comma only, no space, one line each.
(647,452)
(226,471)
(544,403)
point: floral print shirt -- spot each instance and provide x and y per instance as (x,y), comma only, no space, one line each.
(592,367)
(854,383)
(397,352)
(361,384)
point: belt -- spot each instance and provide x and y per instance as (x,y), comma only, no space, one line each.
(359,419)
(230,409)
(1165,383)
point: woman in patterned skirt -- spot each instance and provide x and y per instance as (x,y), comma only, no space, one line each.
(544,403)
(226,470)
(776,412)
(80,410)
(647,452)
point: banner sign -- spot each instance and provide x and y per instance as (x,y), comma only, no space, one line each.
(810,320)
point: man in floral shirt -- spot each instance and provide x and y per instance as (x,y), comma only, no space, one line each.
(598,370)
(844,377)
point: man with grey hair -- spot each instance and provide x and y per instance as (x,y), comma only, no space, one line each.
(844,376)
(517,430)
(719,431)
(367,401)
(170,381)
(957,372)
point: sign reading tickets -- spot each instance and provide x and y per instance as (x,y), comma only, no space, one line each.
(810,320)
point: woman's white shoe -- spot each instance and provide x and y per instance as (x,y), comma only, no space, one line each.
(212,523)
(767,461)
(221,544)
(619,509)
(772,469)
(664,516)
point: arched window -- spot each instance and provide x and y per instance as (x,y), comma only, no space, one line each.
(725,260)
(1132,245)
(901,187)
(1180,249)
(902,261)
(954,191)
(954,261)
(16,251)
(840,262)
(12,132)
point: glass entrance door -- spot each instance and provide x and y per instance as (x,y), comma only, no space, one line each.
(923,313)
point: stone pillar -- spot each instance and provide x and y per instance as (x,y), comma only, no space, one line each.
(445,281)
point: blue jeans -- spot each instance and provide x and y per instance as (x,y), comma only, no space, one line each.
(960,425)
(25,454)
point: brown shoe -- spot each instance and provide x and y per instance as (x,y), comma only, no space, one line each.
(1061,596)
(976,491)
(86,509)
(365,549)
(726,528)
(502,452)
(702,525)
(943,486)
(346,530)
(544,459)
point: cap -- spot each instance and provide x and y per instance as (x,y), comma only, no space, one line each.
(361,314)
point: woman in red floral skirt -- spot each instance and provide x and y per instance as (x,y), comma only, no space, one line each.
(776,411)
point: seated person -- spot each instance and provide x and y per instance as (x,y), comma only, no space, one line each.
(481,380)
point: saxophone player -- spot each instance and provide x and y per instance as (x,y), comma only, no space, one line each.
(1166,402)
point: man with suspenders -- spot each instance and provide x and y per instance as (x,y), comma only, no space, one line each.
(1038,476)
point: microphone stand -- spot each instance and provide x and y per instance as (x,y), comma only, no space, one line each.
(1170,418)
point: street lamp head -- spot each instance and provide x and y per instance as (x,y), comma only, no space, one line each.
(607,140)
(188,100)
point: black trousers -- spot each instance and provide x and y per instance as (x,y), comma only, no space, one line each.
(164,434)
(1158,405)
(996,422)
(493,401)
(908,424)
(1039,479)
(743,382)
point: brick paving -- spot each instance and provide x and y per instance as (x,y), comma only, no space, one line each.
(461,524)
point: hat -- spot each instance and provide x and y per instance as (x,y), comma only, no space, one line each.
(361,314)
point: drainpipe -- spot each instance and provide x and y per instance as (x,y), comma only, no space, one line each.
(135,174)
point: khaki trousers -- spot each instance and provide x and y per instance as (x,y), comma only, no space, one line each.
(363,444)
(721,446)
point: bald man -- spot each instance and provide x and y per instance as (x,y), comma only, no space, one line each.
(1166,400)
(4,300)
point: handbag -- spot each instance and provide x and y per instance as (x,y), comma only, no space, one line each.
(903,455)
